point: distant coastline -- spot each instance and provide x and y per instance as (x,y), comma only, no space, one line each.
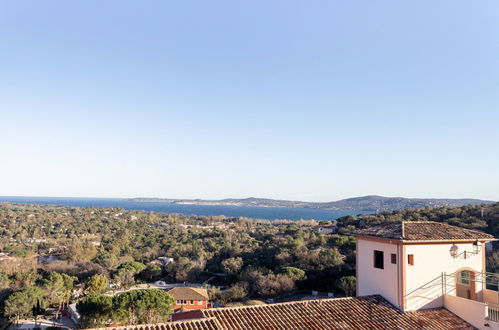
(371,203)
(162,206)
(255,208)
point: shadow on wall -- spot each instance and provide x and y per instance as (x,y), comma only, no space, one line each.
(429,295)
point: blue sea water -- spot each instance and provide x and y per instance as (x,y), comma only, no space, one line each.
(269,213)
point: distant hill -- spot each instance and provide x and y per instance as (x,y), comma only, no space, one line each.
(366,203)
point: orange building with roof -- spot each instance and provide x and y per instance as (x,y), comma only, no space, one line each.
(190,298)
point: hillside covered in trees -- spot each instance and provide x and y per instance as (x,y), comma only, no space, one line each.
(111,247)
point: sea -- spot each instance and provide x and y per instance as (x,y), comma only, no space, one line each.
(255,212)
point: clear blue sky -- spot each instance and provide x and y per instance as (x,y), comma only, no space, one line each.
(307,100)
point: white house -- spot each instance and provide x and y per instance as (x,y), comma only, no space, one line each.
(419,265)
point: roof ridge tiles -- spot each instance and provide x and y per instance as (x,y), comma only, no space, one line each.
(422,231)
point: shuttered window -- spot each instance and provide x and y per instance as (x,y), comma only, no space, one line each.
(410,259)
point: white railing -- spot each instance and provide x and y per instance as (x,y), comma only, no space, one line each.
(492,312)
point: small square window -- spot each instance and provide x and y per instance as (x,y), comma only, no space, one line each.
(410,259)
(378,259)
(394,258)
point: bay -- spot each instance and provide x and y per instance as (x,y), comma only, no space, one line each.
(255,212)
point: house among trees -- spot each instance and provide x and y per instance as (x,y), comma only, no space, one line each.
(162,261)
(188,298)
(326,229)
(410,275)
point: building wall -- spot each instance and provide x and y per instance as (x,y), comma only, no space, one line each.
(371,280)
(471,311)
(188,305)
(491,296)
(423,282)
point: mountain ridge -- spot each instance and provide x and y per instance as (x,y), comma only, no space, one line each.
(372,203)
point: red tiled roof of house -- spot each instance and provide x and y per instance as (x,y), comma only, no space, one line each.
(188,293)
(190,315)
(369,312)
(422,231)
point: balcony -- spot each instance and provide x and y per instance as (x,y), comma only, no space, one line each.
(473,296)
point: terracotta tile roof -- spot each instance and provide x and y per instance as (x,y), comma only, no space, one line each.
(188,293)
(190,315)
(422,231)
(201,324)
(369,312)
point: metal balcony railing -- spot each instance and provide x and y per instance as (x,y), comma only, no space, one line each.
(492,312)
(489,280)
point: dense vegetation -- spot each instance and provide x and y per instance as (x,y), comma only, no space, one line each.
(103,247)
(131,307)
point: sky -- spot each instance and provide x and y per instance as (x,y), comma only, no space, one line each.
(302,100)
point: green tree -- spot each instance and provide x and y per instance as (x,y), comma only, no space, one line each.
(96,284)
(232,265)
(55,287)
(125,275)
(107,260)
(271,284)
(69,281)
(136,266)
(330,258)
(143,306)
(80,251)
(21,303)
(181,270)
(95,310)
(236,292)
(295,273)
(4,280)
(347,284)
(22,279)
(152,272)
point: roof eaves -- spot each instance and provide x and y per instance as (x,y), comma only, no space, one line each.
(379,237)
(463,240)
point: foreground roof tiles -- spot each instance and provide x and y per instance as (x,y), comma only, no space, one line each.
(201,324)
(369,312)
(422,231)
